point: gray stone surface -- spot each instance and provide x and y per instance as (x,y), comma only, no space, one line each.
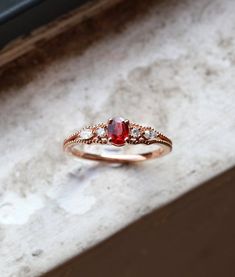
(171,67)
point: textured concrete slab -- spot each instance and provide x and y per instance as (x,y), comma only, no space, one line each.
(171,66)
(193,234)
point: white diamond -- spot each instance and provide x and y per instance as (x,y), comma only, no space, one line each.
(101,132)
(156,134)
(135,132)
(149,134)
(153,134)
(86,134)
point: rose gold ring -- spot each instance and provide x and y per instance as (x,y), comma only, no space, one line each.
(118,132)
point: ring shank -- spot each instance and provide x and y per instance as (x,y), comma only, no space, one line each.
(164,148)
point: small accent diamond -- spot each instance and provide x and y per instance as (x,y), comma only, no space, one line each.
(135,132)
(86,134)
(150,134)
(101,132)
(156,134)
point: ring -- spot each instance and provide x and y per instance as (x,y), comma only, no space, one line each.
(118,132)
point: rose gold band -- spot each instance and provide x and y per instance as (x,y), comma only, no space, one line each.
(135,134)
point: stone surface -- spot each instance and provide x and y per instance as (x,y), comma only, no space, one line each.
(171,66)
(199,222)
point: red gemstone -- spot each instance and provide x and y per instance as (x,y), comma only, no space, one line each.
(118,131)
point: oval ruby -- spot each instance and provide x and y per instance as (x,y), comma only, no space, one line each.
(118,131)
